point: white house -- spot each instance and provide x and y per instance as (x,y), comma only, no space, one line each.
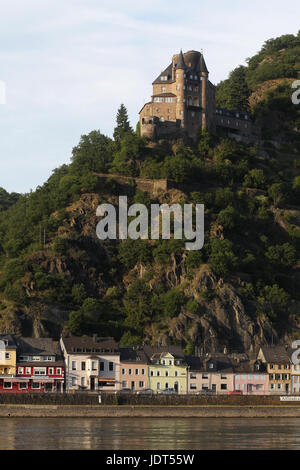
(92,363)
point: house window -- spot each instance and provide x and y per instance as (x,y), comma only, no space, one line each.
(58,371)
(158,386)
(152,373)
(102,366)
(272,366)
(176,373)
(22,386)
(123,371)
(141,384)
(8,385)
(204,376)
(167,386)
(28,370)
(94,365)
(211,366)
(167,373)
(7,355)
(83,366)
(223,377)
(238,387)
(193,387)
(51,371)
(129,371)
(158,373)
(223,386)
(193,376)
(143,371)
(73,365)
(82,381)
(35,386)
(39,371)
(20,370)
(73,381)
(111,366)
(161,118)
(163,89)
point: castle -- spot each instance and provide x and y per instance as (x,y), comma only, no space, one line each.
(184,102)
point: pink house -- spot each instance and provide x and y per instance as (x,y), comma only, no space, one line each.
(251,380)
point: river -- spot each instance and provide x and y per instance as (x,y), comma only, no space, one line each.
(149,434)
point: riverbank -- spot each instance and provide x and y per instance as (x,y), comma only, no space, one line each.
(86,411)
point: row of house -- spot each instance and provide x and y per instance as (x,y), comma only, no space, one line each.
(99,365)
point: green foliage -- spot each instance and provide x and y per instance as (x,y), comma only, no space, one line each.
(222,259)
(123,125)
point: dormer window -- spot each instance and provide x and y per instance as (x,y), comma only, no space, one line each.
(164,78)
(211,365)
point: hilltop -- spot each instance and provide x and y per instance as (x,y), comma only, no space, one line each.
(240,291)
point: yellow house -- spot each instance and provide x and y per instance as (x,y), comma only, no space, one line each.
(279,368)
(167,369)
(8,355)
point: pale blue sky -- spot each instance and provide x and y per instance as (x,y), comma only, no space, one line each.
(68,64)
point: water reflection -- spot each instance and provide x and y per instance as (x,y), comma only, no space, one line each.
(151,433)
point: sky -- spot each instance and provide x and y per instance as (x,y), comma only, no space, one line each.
(67,65)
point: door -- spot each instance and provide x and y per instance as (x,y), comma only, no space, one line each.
(92,384)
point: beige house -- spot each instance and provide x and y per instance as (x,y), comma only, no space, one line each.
(279,368)
(210,374)
(92,364)
(133,369)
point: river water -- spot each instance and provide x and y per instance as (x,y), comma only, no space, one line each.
(148,434)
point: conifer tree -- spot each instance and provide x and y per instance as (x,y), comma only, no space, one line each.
(123,124)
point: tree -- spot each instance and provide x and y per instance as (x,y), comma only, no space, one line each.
(123,125)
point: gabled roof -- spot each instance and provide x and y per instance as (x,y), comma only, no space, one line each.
(37,346)
(87,345)
(132,355)
(9,341)
(176,351)
(165,73)
(276,354)
(220,362)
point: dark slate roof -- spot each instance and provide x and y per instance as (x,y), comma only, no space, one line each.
(132,355)
(181,63)
(87,344)
(203,67)
(234,113)
(38,346)
(9,340)
(276,354)
(167,72)
(220,362)
(248,367)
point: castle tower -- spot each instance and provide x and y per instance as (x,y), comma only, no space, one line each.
(180,90)
(204,83)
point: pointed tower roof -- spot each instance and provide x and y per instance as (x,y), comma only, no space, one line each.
(181,63)
(203,67)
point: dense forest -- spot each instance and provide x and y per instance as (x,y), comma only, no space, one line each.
(241,290)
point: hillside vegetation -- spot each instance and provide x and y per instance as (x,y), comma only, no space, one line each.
(240,291)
